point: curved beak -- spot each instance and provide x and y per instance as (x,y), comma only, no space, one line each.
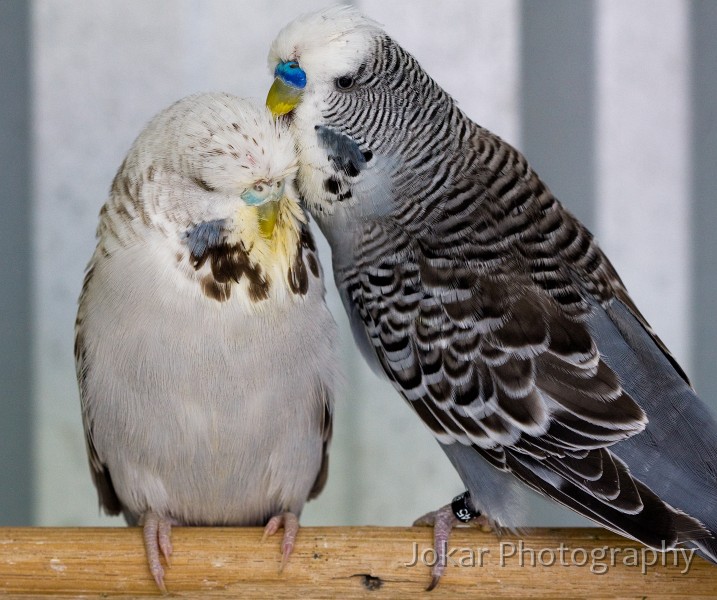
(282,98)
(265,197)
(267,213)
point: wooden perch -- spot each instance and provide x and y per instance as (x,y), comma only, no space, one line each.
(347,562)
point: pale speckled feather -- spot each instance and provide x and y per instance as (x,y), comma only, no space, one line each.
(206,374)
(485,302)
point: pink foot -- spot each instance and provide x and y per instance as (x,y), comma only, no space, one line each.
(157,538)
(443,521)
(290,522)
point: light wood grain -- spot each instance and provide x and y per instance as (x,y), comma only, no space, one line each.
(344,562)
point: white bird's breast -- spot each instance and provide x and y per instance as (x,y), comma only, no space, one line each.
(207,411)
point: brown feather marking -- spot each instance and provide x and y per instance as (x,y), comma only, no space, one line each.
(217,291)
(126,189)
(525,328)
(306,239)
(230,263)
(117,183)
(526,411)
(313,265)
(297,276)
(203,184)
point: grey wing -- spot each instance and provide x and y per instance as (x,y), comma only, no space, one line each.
(495,362)
(327,431)
(677,453)
(107,495)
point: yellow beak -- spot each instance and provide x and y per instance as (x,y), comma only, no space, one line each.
(267,214)
(282,98)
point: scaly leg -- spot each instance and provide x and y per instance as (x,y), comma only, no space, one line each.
(443,520)
(157,538)
(290,522)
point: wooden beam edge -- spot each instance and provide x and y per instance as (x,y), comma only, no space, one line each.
(347,562)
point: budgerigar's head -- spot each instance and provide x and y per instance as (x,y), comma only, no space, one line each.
(226,158)
(314,51)
(355,101)
(210,184)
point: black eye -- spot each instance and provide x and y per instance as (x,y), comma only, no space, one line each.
(345,82)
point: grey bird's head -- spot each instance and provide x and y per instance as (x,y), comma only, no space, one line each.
(367,118)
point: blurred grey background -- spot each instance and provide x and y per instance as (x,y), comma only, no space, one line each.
(613,101)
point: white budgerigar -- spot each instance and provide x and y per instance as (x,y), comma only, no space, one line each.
(204,349)
(487,304)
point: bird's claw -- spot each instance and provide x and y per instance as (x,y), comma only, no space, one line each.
(157,535)
(443,521)
(290,522)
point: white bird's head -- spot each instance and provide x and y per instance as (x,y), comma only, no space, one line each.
(230,160)
(355,101)
(314,51)
(214,175)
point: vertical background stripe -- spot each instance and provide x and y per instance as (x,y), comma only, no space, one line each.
(703,90)
(16,426)
(558,99)
(643,189)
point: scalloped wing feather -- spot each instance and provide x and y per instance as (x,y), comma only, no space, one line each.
(497,363)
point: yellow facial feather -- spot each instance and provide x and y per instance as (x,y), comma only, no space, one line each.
(270,233)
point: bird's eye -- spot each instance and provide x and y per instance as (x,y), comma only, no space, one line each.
(259,188)
(278,184)
(345,82)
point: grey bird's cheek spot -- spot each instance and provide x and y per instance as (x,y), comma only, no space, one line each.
(336,188)
(205,235)
(342,151)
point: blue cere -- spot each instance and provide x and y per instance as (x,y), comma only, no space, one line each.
(262,193)
(291,74)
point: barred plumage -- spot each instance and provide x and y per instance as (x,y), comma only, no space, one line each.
(489,306)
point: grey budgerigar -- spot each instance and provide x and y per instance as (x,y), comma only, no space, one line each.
(488,305)
(205,351)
